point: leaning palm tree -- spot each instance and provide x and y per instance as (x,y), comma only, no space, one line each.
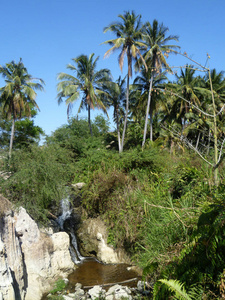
(87,82)
(18,95)
(157,50)
(129,42)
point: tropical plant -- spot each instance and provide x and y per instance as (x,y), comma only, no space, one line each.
(178,290)
(18,95)
(157,50)
(129,35)
(116,98)
(87,82)
(141,83)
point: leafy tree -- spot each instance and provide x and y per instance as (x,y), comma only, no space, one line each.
(87,82)
(157,50)
(26,133)
(18,95)
(129,35)
(102,124)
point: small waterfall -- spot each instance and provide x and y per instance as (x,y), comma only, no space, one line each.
(66,214)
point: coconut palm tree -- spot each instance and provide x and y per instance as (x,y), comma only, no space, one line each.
(116,97)
(18,95)
(157,51)
(141,83)
(129,42)
(87,82)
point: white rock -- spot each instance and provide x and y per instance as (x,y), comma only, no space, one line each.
(118,292)
(36,259)
(96,292)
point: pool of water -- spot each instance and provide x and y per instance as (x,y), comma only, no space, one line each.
(90,272)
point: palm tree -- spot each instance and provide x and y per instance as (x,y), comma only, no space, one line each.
(141,83)
(155,39)
(18,95)
(129,36)
(116,97)
(87,82)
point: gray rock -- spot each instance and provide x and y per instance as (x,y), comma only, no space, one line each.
(79,294)
(78,286)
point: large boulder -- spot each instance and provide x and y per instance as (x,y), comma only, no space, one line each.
(92,236)
(30,258)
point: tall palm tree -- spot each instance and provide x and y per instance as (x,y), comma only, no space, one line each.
(88,82)
(128,41)
(18,95)
(141,83)
(116,96)
(157,50)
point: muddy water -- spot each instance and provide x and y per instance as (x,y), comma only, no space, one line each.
(90,272)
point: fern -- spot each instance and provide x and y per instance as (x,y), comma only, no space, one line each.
(175,286)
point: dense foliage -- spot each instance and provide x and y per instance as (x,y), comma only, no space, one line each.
(157,181)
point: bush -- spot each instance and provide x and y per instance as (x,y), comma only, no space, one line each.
(38,180)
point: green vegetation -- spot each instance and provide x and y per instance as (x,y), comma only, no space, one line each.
(162,199)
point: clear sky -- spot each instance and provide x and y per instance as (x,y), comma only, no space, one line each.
(47,34)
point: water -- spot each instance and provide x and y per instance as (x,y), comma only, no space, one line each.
(90,272)
(66,214)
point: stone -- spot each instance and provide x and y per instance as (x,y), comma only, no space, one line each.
(96,292)
(92,236)
(118,292)
(78,185)
(30,258)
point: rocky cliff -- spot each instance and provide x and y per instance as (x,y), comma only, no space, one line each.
(30,258)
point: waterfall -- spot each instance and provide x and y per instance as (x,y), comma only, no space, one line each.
(66,214)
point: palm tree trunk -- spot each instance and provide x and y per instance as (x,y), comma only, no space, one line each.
(11,137)
(151,122)
(126,114)
(147,111)
(118,131)
(89,119)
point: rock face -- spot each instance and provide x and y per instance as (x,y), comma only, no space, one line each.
(92,236)
(30,259)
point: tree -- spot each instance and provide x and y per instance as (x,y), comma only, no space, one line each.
(141,83)
(26,133)
(155,39)
(116,98)
(18,95)
(87,82)
(128,40)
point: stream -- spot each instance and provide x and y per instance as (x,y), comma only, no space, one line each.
(89,270)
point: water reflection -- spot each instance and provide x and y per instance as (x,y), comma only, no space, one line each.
(90,272)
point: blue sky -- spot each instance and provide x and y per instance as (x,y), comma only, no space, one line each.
(47,34)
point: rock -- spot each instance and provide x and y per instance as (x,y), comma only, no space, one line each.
(78,185)
(78,286)
(30,259)
(118,292)
(92,236)
(6,280)
(105,253)
(96,292)
(69,297)
(79,294)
